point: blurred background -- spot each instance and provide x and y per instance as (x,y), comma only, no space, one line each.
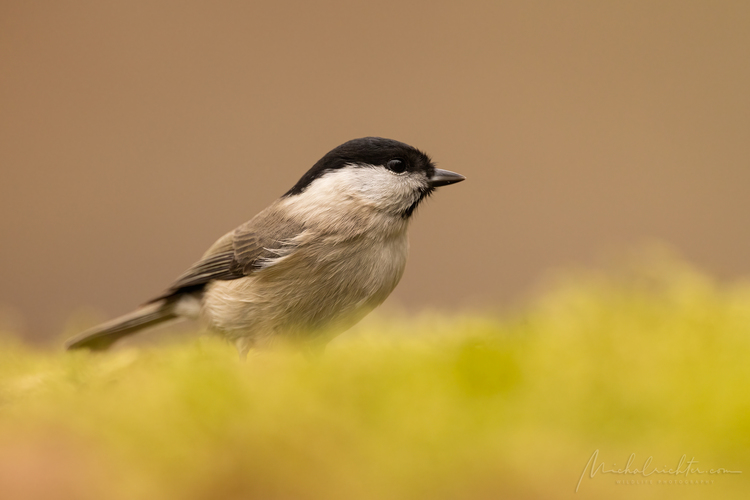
(133,134)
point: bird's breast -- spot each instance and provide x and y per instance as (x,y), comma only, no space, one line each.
(329,282)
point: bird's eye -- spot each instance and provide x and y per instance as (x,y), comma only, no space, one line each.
(397,166)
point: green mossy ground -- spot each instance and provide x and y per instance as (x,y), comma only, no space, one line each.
(654,361)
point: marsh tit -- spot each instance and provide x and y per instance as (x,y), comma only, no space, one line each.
(310,265)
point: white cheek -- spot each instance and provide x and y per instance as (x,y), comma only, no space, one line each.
(385,189)
(354,188)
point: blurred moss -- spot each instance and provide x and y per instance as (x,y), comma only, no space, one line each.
(650,360)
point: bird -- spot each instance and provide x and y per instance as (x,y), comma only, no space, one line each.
(311,264)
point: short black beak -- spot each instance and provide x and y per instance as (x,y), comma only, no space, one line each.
(444,177)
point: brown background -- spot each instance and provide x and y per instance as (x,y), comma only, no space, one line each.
(132,134)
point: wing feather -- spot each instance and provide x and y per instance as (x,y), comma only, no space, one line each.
(255,245)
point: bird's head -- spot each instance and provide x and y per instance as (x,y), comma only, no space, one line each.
(383,174)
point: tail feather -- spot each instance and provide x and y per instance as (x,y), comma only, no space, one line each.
(103,336)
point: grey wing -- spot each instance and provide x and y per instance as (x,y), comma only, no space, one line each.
(249,248)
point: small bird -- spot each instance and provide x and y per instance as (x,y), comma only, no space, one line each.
(310,265)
